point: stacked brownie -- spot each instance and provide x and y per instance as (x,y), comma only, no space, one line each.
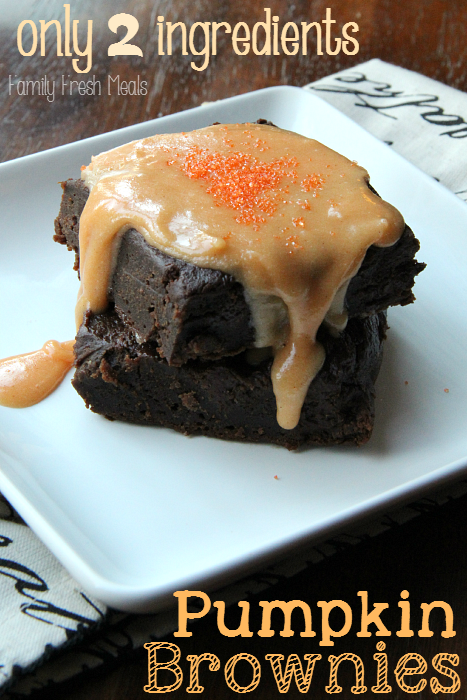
(174,347)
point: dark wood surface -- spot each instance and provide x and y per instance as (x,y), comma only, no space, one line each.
(427,556)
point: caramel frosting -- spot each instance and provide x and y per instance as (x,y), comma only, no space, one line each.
(27,379)
(286,216)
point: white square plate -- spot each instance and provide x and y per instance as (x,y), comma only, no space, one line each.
(136,513)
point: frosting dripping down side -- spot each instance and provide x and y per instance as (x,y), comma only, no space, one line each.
(288,217)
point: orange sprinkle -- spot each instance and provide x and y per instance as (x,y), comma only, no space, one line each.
(240,181)
(293,244)
(227,236)
(304,204)
(261,145)
(298,221)
(276,477)
(312,182)
(446,391)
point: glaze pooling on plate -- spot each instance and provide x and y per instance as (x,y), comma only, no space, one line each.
(29,378)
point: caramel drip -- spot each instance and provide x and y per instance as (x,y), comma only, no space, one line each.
(27,379)
(285,215)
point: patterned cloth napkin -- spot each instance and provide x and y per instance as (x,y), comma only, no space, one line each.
(44,614)
(423,120)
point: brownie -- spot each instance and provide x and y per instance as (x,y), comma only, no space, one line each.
(123,379)
(192,312)
(172,348)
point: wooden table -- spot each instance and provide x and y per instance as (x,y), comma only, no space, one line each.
(428,556)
